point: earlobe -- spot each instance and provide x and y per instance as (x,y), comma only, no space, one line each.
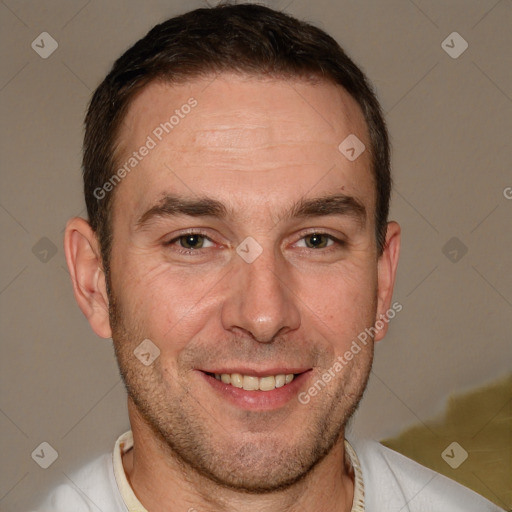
(83,258)
(387,265)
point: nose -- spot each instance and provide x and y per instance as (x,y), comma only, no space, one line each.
(260,300)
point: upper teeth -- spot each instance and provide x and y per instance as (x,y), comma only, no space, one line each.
(251,383)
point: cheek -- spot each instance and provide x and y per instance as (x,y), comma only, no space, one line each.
(170,305)
(344,301)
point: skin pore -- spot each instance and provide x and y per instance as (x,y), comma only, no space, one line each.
(249,156)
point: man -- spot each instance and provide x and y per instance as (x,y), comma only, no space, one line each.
(236,171)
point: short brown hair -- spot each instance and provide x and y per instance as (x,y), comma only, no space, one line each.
(244,38)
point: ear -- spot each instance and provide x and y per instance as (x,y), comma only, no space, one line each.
(83,257)
(386,269)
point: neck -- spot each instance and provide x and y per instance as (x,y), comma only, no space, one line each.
(162,481)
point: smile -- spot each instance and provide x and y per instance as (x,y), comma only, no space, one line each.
(257,391)
(253,383)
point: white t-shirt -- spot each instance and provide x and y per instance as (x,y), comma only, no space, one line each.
(384,481)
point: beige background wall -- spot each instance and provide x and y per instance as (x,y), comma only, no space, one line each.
(451,124)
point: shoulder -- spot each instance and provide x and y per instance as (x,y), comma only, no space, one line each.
(89,489)
(393,482)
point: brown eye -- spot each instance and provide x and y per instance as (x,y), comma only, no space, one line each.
(191,241)
(317,240)
(188,243)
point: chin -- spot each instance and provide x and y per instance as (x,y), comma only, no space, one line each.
(269,474)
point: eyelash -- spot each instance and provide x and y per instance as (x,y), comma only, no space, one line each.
(182,250)
(195,252)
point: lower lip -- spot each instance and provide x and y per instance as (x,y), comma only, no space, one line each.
(258,400)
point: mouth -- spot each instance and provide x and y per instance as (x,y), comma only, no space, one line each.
(253,382)
(255,390)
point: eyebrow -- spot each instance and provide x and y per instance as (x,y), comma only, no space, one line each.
(335,204)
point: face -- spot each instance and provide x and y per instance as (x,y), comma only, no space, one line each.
(244,249)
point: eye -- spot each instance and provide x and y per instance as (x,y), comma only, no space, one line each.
(192,241)
(316,241)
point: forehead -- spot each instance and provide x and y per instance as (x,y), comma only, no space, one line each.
(239,137)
